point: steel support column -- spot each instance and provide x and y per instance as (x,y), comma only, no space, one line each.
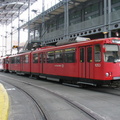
(105,19)
(3,41)
(11,35)
(43,23)
(29,40)
(18,30)
(2,44)
(109,18)
(6,40)
(66,19)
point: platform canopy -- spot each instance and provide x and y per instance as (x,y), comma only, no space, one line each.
(9,9)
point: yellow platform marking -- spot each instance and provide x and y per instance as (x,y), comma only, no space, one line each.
(4,103)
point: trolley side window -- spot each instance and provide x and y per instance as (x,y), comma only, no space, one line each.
(44,57)
(89,54)
(22,59)
(6,61)
(97,53)
(12,60)
(26,59)
(69,55)
(59,56)
(18,59)
(81,54)
(35,58)
(50,57)
(9,60)
(1,61)
(41,58)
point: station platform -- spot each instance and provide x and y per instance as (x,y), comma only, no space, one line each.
(4,103)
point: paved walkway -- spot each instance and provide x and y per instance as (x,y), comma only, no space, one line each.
(4,103)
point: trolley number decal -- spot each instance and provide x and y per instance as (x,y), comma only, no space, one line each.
(97,65)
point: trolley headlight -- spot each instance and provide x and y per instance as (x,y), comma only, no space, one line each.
(107,74)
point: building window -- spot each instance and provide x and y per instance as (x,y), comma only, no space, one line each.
(75,16)
(53,25)
(60,22)
(115,5)
(36,33)
(32,34)
(75,13)
(115,1)
(92,11)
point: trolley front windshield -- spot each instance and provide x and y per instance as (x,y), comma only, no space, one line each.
(112,53)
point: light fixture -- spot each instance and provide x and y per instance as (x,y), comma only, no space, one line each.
(105,32)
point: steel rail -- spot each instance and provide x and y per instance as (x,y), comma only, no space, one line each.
(77,105)
(41,111)
(74,104)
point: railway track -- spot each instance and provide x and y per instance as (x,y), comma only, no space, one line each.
(110,89)
(39,108)
(106,90)
(42,113)
(113,89)
(76,105)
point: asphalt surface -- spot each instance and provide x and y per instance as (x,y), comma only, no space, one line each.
(103,104)
(21,106)
(55,107)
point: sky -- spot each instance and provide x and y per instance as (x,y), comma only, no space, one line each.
(23,34)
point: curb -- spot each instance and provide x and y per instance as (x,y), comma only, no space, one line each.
(4,103)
